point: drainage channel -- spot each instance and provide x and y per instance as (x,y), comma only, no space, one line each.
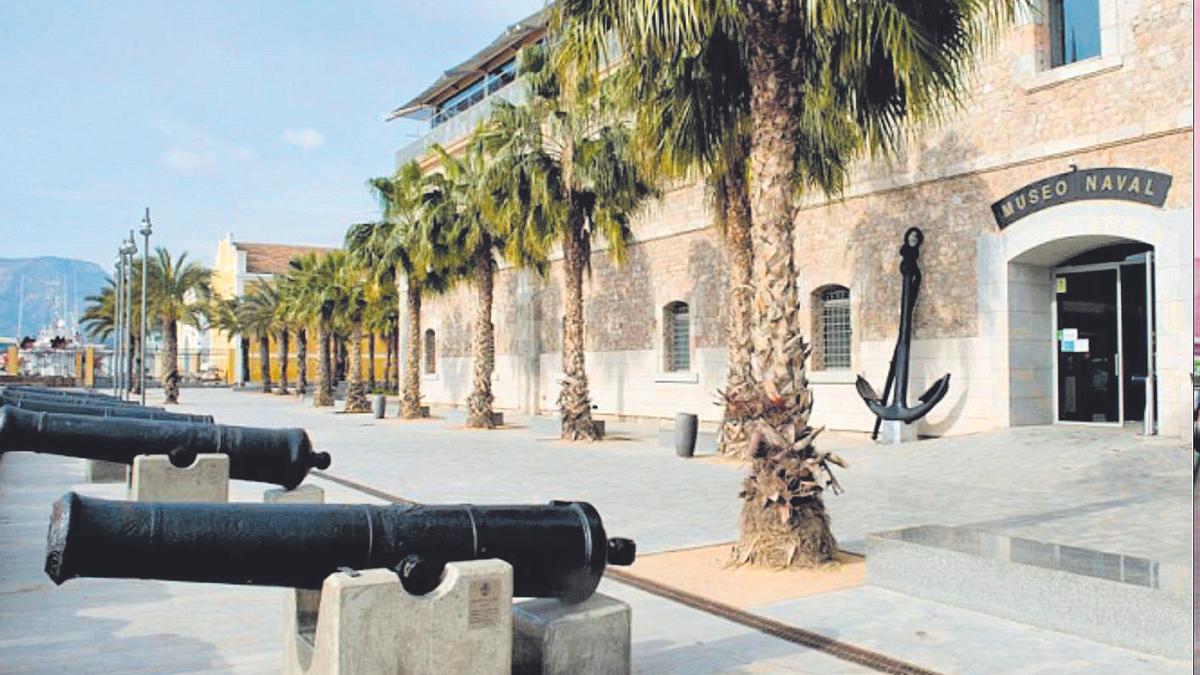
(820,643)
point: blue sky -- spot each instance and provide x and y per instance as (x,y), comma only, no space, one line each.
(263,119)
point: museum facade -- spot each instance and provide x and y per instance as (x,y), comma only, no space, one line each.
(1056,206)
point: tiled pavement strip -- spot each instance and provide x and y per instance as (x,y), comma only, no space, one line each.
(1038,483)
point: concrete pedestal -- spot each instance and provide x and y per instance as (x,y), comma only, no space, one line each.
(365,622)
(553,638)
(99,471)
(892,432)
(155,479)
(303,494)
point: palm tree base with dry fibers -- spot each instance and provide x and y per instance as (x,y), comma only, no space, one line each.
(783,522)
(356,393)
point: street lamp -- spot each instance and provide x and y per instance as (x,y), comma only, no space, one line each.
(130,250)
(120,288)
(146,231)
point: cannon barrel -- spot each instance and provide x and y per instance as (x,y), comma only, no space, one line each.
(280,456)
(9,396)
(557,550)
(61,393)
(100,409)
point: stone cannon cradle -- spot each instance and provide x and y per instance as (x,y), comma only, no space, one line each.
(280,456)
(557,550)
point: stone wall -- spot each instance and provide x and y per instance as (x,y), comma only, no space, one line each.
(1019,122)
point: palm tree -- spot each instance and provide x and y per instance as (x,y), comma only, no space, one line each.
(871,67)
(469,199)
(353,284)
(178,290)
(570,171)
(260,309)
(414,244)
(315,285)
(226,315)
(293,313)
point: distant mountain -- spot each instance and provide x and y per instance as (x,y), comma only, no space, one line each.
(54,289)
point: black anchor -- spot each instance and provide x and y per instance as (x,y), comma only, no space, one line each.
(899,409)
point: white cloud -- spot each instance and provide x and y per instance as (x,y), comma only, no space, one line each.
(189,162)
(306,139)
(193,152)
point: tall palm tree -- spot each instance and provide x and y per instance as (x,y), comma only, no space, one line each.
(292,310)
(872,66)
(226,316)
(315,278)
(569,163)
(178,290)
(413,244)
(351,283)
(259,312)
(469,202)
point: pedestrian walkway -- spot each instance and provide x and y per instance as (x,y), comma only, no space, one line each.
(642,491)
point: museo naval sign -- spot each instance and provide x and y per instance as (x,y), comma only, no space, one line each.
(1131,185)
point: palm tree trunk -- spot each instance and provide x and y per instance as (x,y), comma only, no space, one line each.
(264,362)
(410,401)
(283,361)
(356,397)
(339,358)
(371,361)
(574,403)
(783,520)
(483,351)
(388,362)
(323,396)
(302,361)
(170,361)
(736,204)
(245,345)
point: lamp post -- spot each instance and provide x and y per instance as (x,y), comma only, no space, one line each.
(130,250)
(146,231)
(120,288)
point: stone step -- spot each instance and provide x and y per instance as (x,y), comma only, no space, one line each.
(1130,602)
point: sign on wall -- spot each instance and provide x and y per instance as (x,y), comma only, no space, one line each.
(1131,185)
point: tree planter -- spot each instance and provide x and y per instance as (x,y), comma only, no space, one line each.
(686,425)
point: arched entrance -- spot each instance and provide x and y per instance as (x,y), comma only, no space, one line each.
(1079,306)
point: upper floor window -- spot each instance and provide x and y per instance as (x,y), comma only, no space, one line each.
(676,337)
(430,352)
(1074,30)
(833,329)
(475,92)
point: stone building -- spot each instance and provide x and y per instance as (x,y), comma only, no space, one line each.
(1048,201)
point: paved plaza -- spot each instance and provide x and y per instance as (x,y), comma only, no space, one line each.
(1104,489)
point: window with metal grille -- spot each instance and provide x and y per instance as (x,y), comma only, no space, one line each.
(430,352)
(834,349)
(677,337)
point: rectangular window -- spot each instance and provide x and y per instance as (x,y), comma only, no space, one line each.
(1074,31)
(835,329)
(678,338)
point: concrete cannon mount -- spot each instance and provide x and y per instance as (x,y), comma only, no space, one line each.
(155,479)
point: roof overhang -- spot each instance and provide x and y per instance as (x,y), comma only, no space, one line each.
(423,105)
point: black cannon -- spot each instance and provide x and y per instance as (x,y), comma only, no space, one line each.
(279,456)
(557,550)
(9,395)
(101,409)
(60,393)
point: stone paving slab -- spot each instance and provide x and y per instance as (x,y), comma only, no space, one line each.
(953,640)
(1102,488)
(133,626)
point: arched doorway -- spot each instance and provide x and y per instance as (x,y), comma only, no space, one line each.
(1019,267)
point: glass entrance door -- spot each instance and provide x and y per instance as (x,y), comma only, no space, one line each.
(1088,345)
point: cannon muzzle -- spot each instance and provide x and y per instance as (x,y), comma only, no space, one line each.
(279,456)
(557,550)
